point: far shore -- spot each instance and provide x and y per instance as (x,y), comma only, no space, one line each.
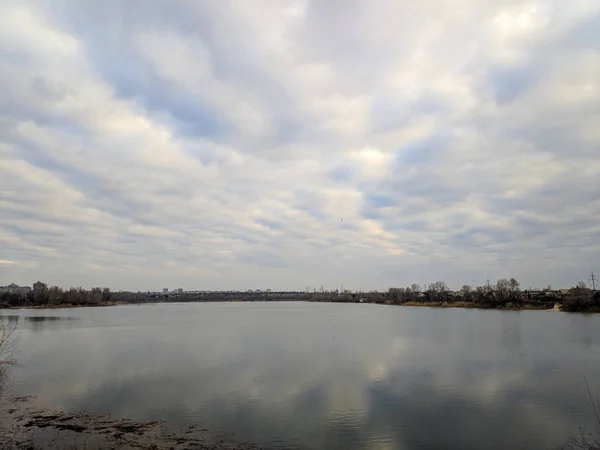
(504,295)
(470,305)
(61,306)
(458,304)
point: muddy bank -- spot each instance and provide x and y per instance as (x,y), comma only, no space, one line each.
(26,426)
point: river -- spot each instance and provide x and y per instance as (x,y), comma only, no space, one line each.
(295,375)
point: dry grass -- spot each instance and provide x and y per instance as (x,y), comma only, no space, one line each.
(586,439)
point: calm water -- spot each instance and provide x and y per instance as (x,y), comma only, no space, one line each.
(322,376)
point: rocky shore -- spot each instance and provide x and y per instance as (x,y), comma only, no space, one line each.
(25,426)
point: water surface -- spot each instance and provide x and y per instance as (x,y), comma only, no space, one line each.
(314,376)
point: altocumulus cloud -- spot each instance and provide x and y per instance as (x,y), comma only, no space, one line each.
(286,143)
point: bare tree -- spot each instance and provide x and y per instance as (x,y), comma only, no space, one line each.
(514,285)
(515,291)
(40,293)
(587,439)
(55,295)
(95,296)
(437,291)
(438,287)
(7,344)
(106,295)
(467,293)
(579,299)
(395,295)
(502,289)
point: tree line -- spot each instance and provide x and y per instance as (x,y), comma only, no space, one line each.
(44,296)
(505,293)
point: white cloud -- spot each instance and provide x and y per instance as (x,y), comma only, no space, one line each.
(290,143)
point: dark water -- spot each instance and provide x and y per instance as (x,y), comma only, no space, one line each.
(322,376)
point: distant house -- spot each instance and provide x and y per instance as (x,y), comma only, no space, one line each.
(15,289)
(550,293)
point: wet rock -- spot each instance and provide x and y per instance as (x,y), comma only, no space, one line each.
(19,421)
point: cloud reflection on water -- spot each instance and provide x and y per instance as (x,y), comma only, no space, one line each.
(326,376)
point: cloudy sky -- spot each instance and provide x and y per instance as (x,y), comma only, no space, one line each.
(294,143)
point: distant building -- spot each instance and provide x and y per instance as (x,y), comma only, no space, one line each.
(165,290)
(15,289)
(180,290)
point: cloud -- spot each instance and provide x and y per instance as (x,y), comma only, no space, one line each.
(295,143)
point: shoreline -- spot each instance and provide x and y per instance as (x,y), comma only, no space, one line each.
(462,305)
(26,426)
(468,305)
(64,306)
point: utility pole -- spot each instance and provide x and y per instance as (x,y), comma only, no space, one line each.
(593,281)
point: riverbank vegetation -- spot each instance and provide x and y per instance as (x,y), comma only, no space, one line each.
(43,296)
(504,294)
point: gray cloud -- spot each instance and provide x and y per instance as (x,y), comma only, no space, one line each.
(295,143)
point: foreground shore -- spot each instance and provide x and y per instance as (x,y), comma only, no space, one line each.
(24,425)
